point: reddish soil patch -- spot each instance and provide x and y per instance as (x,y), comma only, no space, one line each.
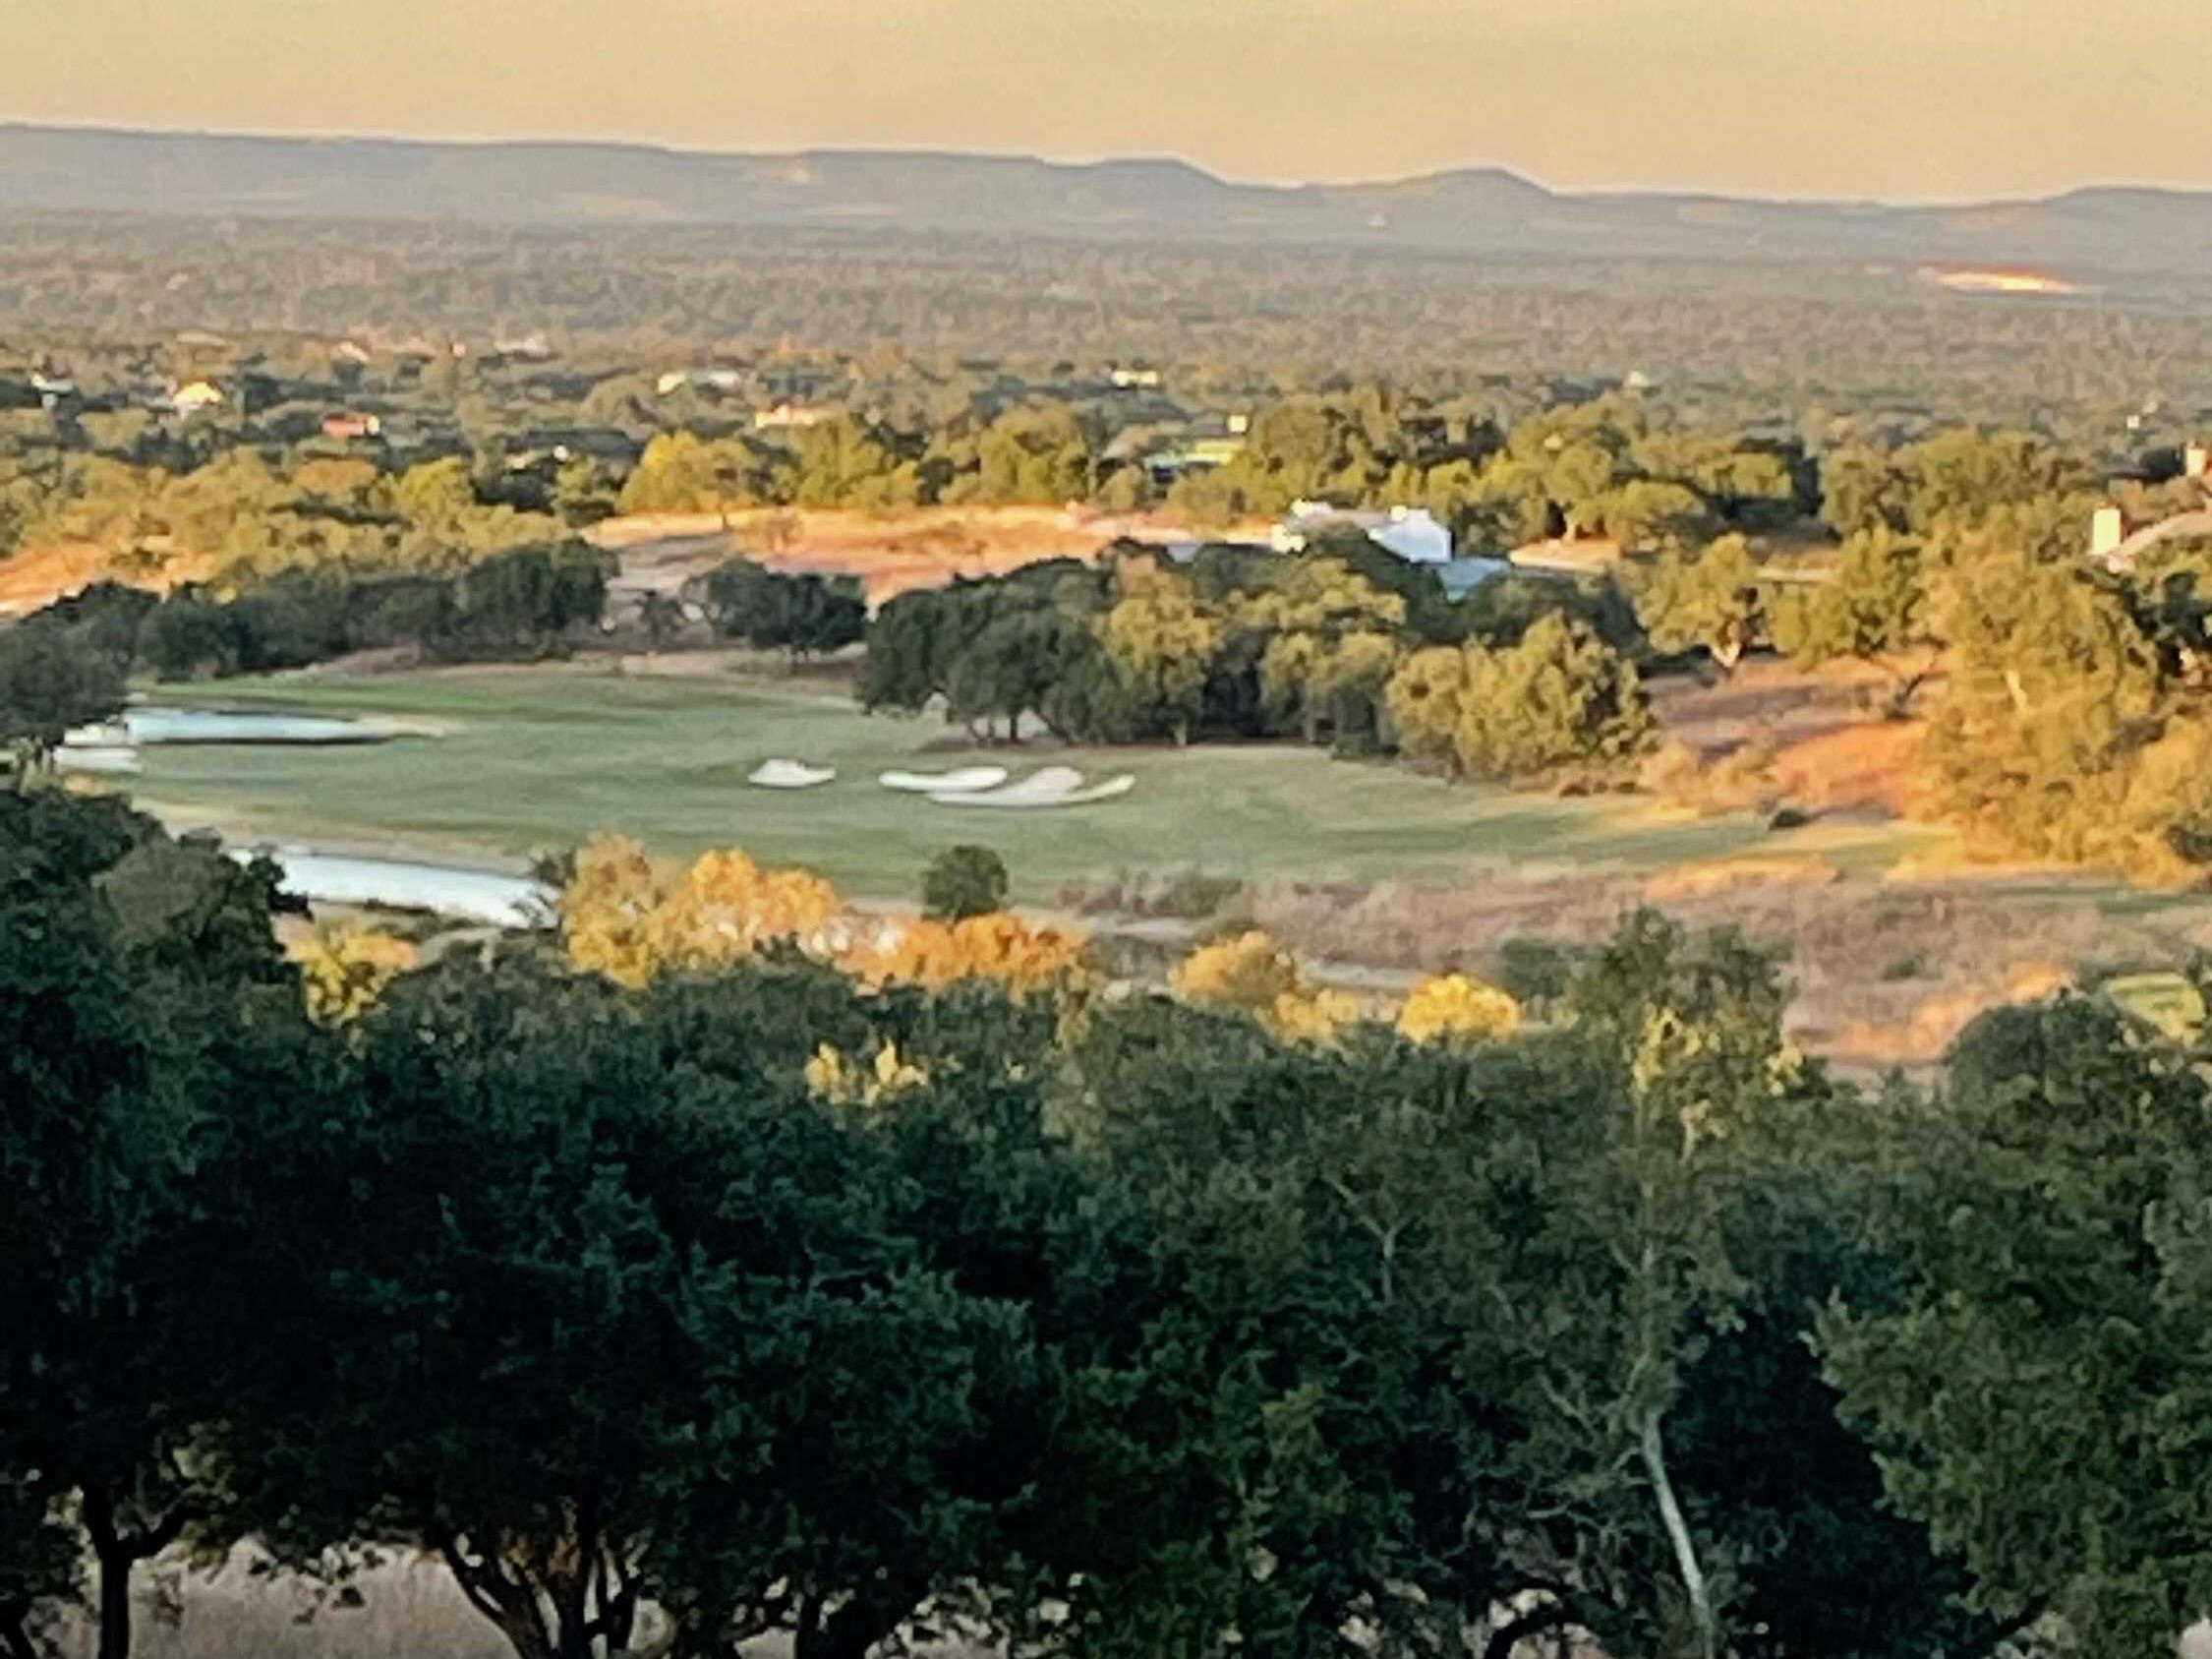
(37,576)
(891,552)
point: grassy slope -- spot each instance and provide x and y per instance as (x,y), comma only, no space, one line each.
(542,758)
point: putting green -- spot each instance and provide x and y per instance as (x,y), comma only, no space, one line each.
(539,758)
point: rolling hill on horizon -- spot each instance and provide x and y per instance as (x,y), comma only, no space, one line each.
(1475,210)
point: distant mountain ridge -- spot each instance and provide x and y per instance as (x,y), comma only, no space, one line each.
(1478,211)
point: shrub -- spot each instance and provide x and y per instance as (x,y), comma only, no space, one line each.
(963,882)
(1251,974)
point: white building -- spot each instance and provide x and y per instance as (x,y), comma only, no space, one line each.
(1412,533)
(787,417)
(718,379)
(2108,528)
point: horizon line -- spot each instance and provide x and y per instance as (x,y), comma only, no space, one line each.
(111,128)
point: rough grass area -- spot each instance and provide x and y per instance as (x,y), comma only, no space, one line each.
(1884,968)
(541,758)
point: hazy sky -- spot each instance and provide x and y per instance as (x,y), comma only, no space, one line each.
(1901,98)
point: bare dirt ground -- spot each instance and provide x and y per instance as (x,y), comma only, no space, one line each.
(37,576)
(1830,743)
(890,552)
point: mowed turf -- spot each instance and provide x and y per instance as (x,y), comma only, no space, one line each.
(539,758)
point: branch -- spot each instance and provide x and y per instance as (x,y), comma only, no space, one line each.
(1514,1631)
(465,1575)
(141,1545)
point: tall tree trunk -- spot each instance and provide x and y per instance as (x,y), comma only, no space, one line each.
(113,1558)
(1654,1453)
(115,1607)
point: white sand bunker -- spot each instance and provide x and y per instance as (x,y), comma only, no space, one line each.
(964,780)
(790,774)
(1048,786)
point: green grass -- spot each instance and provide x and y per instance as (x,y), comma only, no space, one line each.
(539,758)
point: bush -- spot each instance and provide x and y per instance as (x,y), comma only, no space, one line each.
(963,882)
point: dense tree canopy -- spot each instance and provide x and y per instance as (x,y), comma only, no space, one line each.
(753,1297)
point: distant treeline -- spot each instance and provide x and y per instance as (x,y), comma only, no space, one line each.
(1245,643)
(523,603)
(1799,335)
(1601,468)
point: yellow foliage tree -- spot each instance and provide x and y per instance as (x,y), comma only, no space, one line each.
(832,1075)
(624,917)
(345,971)
(728,907)
(608,909)
(1252,974)
(1453,1006)
(999,947)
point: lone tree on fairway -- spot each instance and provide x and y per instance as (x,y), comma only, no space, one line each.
(963,882)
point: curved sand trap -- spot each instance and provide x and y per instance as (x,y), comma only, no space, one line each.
(788,774)
(1050,786)
(965,780)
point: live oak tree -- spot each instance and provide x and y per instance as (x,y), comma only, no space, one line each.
(50,681)
(963,882)
(2031,1367)
(1266,1443)
(141,992)
(1710,600)
(1475,1283)
(1160,643)
(1875,609)
(800,613)
(596,1330)
(1559,700)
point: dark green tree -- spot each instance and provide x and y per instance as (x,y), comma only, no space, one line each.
(2031,1371)
(140,993)
(963,882)
(51,680)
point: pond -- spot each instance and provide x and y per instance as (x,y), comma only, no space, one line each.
(147,725)
(469,895)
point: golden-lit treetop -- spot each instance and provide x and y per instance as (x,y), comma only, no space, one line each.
(1251,974)
(1454,1006)
(999,947)
(623,916)
(344,969)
